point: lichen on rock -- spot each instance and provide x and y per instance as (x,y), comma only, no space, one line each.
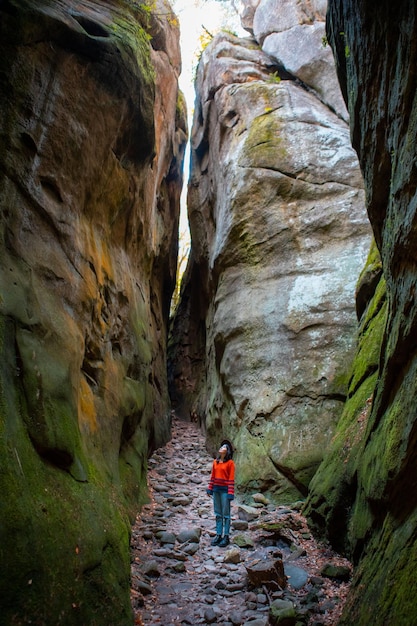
(91,154)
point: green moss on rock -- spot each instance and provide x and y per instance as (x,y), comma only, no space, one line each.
(66,543)
(265,142)
(76,401)
(385,578)
(332,501)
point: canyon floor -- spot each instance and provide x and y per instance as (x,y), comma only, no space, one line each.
(179,578)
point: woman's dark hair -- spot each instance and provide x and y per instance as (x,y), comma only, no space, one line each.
(229,454)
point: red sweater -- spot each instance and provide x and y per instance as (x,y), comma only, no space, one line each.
(222,478)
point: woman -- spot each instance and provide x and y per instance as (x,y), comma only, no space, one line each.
(222,488)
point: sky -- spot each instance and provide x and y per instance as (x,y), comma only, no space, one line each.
(195,17)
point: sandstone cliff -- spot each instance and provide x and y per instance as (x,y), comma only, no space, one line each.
(91,148)
(364,496)
(266,326)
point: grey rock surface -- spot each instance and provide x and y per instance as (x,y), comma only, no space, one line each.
(294,34)
(279,236)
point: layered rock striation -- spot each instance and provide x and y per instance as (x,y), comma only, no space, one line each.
(91,146)
(266,326)
(363,498)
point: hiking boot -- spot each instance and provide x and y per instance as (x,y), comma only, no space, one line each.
(217,539)
(224,542)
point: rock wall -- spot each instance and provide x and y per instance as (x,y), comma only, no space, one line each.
(91,146)
(364,496)
(266,325)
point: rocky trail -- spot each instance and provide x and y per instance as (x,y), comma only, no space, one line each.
(273,571)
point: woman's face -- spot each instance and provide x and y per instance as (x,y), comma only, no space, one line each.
(223,451)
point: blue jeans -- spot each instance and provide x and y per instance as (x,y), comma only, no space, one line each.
(221,504)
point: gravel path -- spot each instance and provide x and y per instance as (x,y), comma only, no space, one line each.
(179,578)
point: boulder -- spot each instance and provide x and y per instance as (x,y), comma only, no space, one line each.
(293,33)
(264,571)
(259,498)
(232,556)
(243,541)
(166,537)
(151,569)
(189,535)
(297,577)
(276,16)
(247,513)
(337,572)
(282,613)
(265,330)
(303,51)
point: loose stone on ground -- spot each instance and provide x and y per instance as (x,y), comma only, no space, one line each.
(273,572)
